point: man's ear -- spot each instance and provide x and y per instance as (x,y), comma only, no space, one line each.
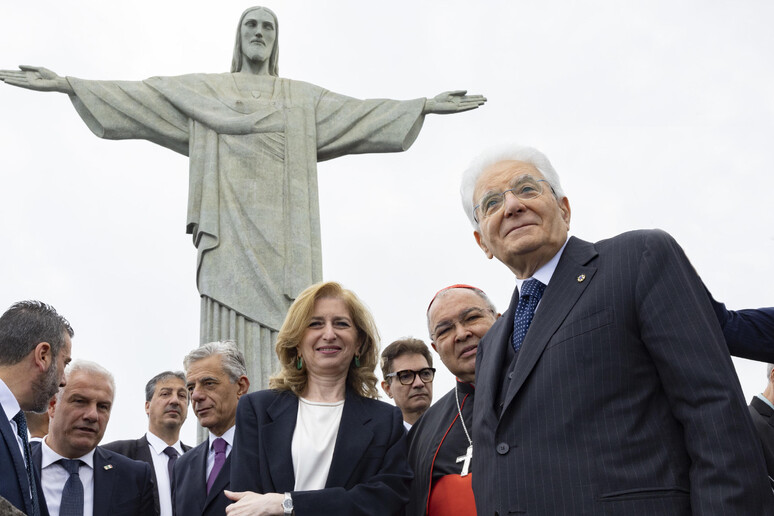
(43,356)
(482,245)
(51,407)
(244,385)
(147,408)
(564,206)
(386,387)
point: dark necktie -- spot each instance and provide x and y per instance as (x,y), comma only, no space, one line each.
(173,455)
(72,494)
(219,446)
(531,292)
(21,429)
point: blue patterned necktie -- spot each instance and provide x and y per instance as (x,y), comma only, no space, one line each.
(72,494)
(531,292)
(21,429)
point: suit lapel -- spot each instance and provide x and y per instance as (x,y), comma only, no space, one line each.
(351,442)
(570,279)
(18,459)
(144,453)
(764,410)
(193,485)
(283,412)
(492,357)
(104,480)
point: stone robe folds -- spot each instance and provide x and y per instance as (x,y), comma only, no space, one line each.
(253,143)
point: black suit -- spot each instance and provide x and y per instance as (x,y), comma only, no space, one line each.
(189,494)
(122,486)
(764,423)
(369,474)
(139,449)
(14,485)
(623,399)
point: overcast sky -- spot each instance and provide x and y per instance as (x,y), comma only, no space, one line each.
(656,114)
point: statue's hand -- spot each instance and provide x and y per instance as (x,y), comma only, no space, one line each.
(453,102)
(36,78)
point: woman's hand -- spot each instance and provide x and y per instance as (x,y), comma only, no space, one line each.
(254,504)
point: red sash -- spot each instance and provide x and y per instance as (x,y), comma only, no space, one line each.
(452,495)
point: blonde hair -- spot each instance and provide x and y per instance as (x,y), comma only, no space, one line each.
(360,379)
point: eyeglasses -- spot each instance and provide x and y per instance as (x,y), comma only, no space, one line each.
(526,188)
(406,377)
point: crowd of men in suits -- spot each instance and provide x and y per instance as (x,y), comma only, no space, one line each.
(68,473)
(605,388)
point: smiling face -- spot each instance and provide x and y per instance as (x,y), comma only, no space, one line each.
(258,35)
(458,319)
(214,397)
(523,234)
(414,399)
(79,418)
(168,407)
(330,341)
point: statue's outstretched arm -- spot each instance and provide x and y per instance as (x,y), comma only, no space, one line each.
(36,78)
(453,102)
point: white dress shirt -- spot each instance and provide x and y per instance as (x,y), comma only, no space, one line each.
(227,436)
(160,461)
(543,274)
(53,477)
(11,408)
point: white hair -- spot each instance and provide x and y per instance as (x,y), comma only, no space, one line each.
(89,367)
(506,152)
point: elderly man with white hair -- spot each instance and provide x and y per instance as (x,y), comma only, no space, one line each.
(606,387)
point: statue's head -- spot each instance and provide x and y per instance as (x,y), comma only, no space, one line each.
(250,19)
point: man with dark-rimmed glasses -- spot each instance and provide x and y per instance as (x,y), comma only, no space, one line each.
(407,367)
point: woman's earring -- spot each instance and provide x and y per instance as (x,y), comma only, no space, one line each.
(299,362)
(357,361)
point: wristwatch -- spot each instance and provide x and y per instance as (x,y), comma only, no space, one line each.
(287,505)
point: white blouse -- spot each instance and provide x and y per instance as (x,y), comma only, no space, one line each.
(314,439)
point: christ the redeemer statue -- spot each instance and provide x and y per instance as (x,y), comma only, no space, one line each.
(254,140)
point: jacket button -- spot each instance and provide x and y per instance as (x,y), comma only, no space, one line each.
(510,375)
(503,448)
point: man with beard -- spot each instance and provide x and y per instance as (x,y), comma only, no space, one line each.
(34,350)
(166,404)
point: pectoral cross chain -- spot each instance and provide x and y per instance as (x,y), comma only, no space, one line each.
(465,459)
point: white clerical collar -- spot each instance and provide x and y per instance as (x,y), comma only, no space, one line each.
(49,456)
(544,273)
(227,436)
(158,445)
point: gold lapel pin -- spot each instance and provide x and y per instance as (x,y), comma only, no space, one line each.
(108,466)
(581,278)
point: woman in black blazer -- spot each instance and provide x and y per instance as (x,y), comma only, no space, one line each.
(318,442)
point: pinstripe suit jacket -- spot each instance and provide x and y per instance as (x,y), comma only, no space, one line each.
(623,400)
